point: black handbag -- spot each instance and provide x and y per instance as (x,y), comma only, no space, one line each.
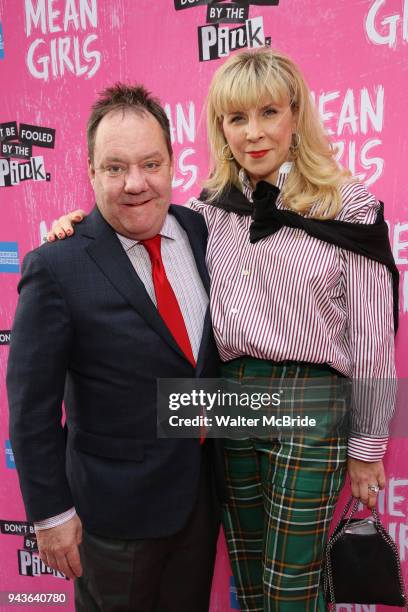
(361,563)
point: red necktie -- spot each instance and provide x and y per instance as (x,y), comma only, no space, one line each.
(167,304)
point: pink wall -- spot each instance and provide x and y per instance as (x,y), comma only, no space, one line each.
(56,54)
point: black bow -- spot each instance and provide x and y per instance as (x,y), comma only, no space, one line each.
(231,199)
(267,219)
(370,240)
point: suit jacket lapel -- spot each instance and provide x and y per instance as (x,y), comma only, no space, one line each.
(196,243)
(109,255)
(205,340)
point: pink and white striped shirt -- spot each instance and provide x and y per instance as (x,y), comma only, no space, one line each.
(293,297)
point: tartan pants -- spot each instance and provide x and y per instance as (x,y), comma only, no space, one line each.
(282,493)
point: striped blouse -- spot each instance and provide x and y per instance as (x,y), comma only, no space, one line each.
(293,297)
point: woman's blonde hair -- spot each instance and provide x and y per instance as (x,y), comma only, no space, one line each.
(242,82)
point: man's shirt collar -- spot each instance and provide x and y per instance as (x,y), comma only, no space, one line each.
(167,231)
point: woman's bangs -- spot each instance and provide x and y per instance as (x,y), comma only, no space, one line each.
(244,89)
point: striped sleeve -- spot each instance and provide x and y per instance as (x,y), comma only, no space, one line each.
(367,449)
(369,303)
(54,521)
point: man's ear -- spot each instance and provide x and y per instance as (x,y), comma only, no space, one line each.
(91,171)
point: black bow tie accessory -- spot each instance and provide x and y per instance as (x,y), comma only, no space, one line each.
(370,240)
(267,218)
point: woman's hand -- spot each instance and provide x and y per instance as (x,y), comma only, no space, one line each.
(64,226)
(365,473)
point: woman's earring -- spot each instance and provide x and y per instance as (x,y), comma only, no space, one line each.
(294,147)
(226,154)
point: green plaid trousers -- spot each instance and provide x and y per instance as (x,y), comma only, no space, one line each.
(282,492)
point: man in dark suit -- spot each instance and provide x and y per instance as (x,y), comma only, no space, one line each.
(100,317)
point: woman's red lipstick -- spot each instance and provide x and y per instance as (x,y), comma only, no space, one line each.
(257,154)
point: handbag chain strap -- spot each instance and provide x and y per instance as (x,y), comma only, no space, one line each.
(328,584)
(386,536)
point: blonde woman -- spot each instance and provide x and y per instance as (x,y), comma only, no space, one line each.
(302,288)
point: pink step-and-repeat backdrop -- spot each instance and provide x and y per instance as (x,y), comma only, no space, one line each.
(55,55)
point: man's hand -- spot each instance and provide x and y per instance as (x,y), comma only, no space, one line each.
(58,547)
(64,226)
(362,474)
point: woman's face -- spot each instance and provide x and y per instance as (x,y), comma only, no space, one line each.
(260,137)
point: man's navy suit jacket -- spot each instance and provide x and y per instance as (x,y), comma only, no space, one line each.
(87,332)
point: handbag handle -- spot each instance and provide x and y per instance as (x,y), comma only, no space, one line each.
(354,507)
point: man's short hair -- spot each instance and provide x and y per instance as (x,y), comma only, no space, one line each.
(126,97)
